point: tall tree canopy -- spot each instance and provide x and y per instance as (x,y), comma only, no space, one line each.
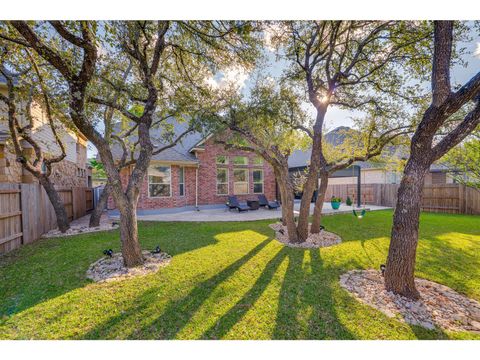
(157,70)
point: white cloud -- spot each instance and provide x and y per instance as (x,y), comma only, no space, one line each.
(234,76)
(477,51)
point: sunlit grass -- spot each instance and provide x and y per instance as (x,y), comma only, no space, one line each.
(228,280)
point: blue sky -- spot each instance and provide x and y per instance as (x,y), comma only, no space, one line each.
(337,117)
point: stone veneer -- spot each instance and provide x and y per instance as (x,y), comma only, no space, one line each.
(207,185)
(64,173)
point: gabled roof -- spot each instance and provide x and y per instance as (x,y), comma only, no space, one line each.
(181,152)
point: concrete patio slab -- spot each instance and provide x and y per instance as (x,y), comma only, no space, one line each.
(222,214)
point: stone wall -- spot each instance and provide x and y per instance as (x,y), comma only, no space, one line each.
(64,173)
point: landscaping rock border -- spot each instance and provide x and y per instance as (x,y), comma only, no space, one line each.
(322,239)
(80,226)
(439,306)
(112,268)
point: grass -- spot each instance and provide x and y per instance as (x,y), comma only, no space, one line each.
(228,281)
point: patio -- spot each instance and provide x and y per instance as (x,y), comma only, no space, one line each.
(222,214)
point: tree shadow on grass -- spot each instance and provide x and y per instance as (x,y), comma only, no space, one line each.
(178,312)
(306,308)
(305,304)
(49,268)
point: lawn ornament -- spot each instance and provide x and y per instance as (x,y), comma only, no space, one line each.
(157,250)
(382,269)
(361,215)
(108,252)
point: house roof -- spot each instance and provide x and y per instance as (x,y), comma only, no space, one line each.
(300,158)
(178,153)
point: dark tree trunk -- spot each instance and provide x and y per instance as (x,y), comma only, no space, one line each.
(317,211)
(316,159)
(57,203)
(288,215)
(100,207)
(400,267)
(304,214)
(131,251)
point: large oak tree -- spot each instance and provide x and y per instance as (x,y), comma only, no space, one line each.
(426,147)
(355,65)
(168,58)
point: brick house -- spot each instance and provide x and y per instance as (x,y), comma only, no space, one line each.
(72,171)
(200,173)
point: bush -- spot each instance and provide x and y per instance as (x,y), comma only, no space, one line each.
(335,199)
(349,201)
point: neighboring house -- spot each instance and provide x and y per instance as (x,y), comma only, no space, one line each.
(197,172)
(72,171)
(371,172)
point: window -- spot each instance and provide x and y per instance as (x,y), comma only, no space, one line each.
(222,181)
(222,160)
(181,181)
(240,160)
(159,179)
(257,160)
(240,181)
(257,181)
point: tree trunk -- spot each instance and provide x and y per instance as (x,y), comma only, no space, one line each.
(317,211)
(57,203)
(288,214)
(400,267)
(131,251)
(99,208)
(317,159)
(304,214)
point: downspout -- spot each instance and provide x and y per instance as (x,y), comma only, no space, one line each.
(196,189)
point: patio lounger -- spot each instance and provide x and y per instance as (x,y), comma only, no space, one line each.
(270,204)
(234,204)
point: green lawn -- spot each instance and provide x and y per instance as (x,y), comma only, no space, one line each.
(228,281)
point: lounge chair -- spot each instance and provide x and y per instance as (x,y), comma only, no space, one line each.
(262,200)
(233,203)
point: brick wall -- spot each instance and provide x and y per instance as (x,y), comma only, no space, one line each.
(207,174)
(207,181)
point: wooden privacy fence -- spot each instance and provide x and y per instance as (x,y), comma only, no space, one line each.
(445,198)
(26,212)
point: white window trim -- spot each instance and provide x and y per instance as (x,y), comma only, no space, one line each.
(226,160)
(179,183)
(242,182)
(258,182)
(148,181)
(217,183)
(246,157)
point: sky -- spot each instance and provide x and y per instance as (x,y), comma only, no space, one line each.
(335,116)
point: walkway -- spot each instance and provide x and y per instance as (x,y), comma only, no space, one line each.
(222,214)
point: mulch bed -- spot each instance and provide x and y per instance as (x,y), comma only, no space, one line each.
(439,306)
(112,268)
(322,239)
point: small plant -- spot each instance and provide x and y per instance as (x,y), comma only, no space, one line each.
(335,202)
(348,201)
